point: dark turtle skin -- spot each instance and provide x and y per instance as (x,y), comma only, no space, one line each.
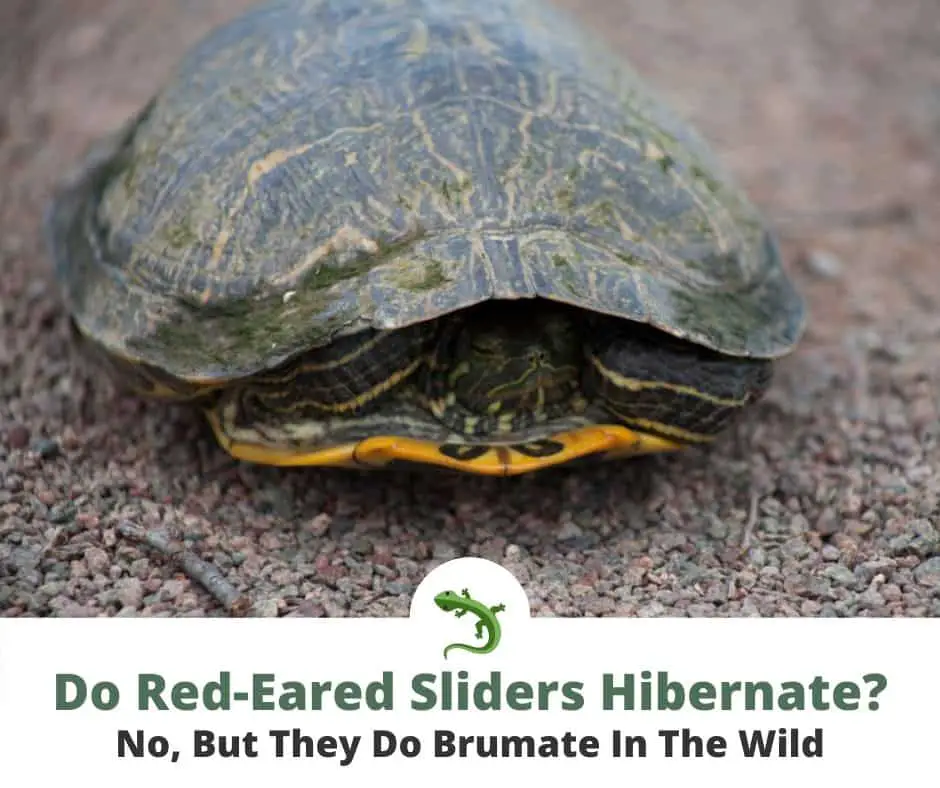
(444,226)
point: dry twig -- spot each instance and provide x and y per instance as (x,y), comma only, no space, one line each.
(197,570)
(751,522)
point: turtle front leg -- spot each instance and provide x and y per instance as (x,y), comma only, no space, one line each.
(655,384)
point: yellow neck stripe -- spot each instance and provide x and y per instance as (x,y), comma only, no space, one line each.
(636,384)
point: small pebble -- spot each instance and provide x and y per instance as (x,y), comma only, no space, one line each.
(46,448)
(830,553)
(18,437)
(928,573)
(840,575)
(130,592)
(823,264)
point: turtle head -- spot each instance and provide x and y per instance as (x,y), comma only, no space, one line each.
(512,365)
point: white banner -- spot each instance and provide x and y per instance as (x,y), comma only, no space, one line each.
(730,702)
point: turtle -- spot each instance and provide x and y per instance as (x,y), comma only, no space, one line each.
(449,234)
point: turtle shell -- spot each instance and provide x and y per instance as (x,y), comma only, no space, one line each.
(319,167)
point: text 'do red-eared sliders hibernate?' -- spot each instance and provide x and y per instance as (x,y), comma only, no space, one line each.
(449,232)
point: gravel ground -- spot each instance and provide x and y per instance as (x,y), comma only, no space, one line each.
(823,503)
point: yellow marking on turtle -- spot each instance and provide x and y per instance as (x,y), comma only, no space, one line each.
(261,167)
(678,433)
(478,251)
(257,170)
(440,204)
(605,442)
(461,175)
(655,153)
(416,46)
(349,406)
(471,422)
(273,160)
(482,44)
(309,47)
(282,456)
(525,145)
(585,157)
(524,97)
(547,109)
(302,43)
(459,371)
(345,239)
(592,283)
(439,406)
(625,230)
(652,151)
(551,99)
(218,249)
(379,207)
(638,384)
(541,185)
(350,158)
(321,366)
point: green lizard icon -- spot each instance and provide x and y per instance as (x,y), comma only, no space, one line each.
(461,604)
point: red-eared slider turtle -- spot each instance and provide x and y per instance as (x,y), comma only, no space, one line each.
(449,232)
